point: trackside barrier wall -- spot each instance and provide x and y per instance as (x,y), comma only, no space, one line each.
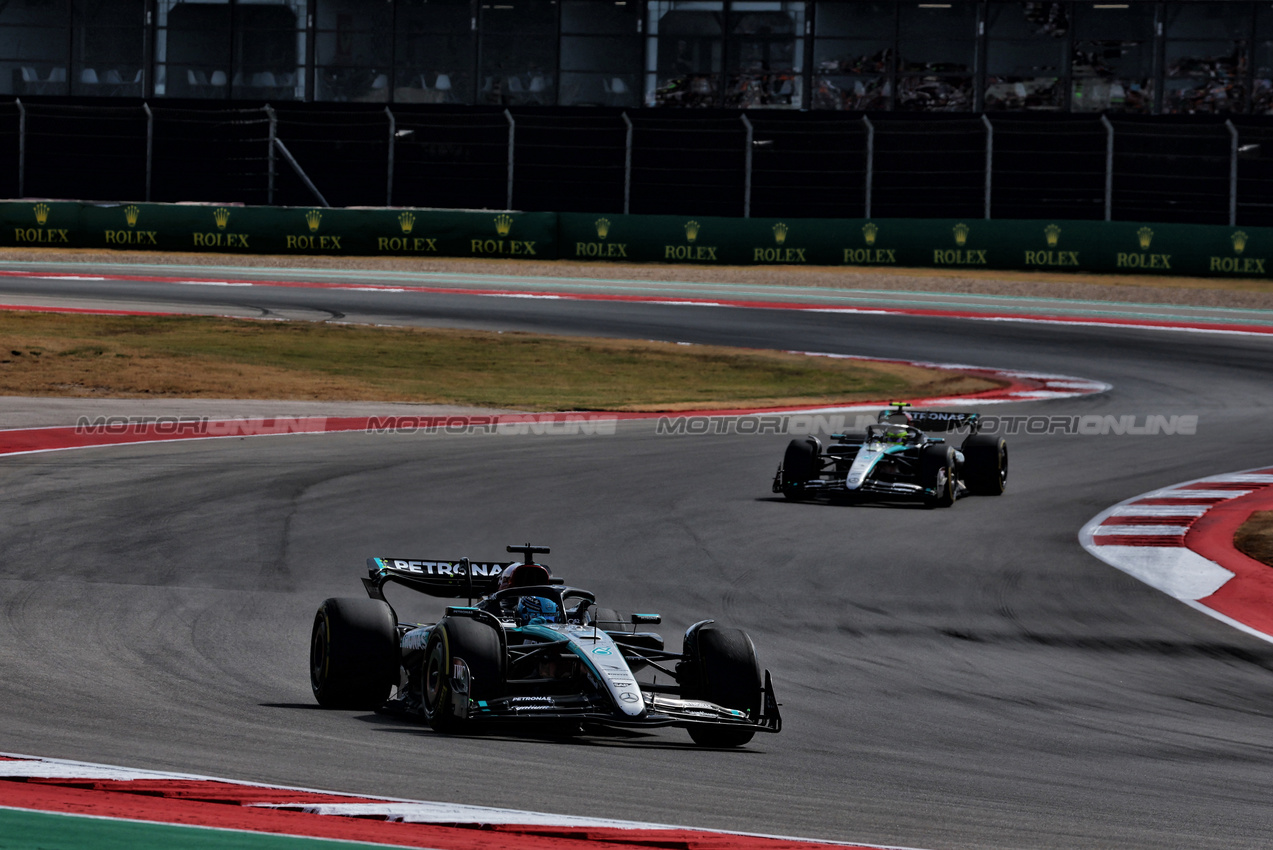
(1092,246)
(279,230)
(1088,246)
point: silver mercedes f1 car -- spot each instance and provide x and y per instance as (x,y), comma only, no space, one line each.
(897,459)
(534,650)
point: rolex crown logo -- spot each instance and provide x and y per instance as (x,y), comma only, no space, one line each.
(1239,241)
(869,232)
(603,227)
(780,233)
(41,214)
(691,230)
(406,220)
(314,218)
(961,234)
(503,224)
(1053,234)
(1145,235)
(130,215)
(221,216)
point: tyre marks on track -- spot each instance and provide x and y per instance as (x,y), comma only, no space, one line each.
(862,302)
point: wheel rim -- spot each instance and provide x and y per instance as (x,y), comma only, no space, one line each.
(945,489)
(434,676)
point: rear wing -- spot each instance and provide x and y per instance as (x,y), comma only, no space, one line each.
(449,579)
(939,420)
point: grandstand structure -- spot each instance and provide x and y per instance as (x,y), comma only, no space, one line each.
(821,108)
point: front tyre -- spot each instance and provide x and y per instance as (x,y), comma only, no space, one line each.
(608,620)
(724,671)
(477,645)
(353,653)
(937,475)
(985,464)
(800,465)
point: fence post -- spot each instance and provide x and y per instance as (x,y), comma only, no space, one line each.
(22,148)
(1109,168)
(269,193)
(627,166)
(751,134)
(393,136)
(1233,172)
(512,129)
(990,158)
(870,162)
(150,145)
(300,172)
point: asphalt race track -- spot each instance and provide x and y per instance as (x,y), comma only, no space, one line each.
(950,678)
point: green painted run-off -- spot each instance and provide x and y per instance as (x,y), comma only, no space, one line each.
(21,829)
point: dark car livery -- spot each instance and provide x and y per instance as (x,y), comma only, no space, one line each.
(531,649)
(897,459)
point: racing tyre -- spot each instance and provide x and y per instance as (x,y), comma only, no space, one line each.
(608,620)
(353,653)
(937,473)
(799,465)
(478,646)
(985,464)
(727,673)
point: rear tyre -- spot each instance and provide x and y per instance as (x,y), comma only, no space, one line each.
(799,465)
(985,464)
(937,474)
(354,657)
(727,673)
(454,639)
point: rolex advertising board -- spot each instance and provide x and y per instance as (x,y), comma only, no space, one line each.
(954,244)
(902,243)
(40,224)
(968,244)
(227,228)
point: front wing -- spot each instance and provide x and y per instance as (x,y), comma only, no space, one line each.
(662,710)
(832,484)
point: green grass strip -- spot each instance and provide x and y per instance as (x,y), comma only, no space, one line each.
(46,354)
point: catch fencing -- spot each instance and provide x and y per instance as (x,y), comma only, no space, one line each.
(766,163)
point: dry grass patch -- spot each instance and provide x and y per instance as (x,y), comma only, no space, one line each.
(72,355)
(1254,537)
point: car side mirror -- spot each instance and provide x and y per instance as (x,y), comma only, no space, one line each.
(646,619)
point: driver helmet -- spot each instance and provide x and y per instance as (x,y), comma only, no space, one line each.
(533,610)
(896,435)
(524,575)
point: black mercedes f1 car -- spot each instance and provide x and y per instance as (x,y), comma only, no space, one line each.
(897,459)
(531,649)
